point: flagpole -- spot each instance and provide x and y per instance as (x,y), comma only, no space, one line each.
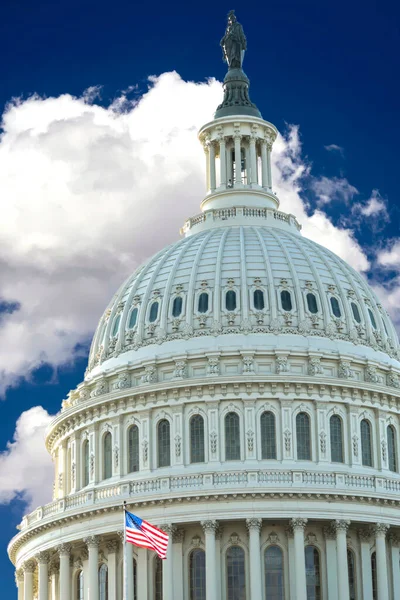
(125,590)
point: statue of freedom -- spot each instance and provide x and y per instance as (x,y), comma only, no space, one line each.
(233,43)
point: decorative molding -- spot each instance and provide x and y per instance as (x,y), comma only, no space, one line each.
(92,541)
(209,526)
(254,524)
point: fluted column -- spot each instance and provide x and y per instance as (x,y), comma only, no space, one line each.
(92,585)
(29,568)
(264,166)
(112,548)
(253,160)
(341,528)
(178,537)
(213,182)
(64,551)
(331,562)
(19,580)
(380,531)
(129,570)
(207,155)
(238,159)
(395,560)
(168,564)
(142,570)
(222,161)
(210,528)
(269,169)
(366,571)
(43,564)
(254,528)
(298,526)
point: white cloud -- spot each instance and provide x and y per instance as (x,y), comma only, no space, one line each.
(88,192)
(390,256)
(374,206)
(334,148)
(328,189)
(26,469)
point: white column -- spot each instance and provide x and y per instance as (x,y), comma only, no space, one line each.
(129,571)
(238,159)
(213,183)
(43,579)
(61,463)
(298,526)
(341,528)
(19,580)
(64,551)
(269,170)
(366,572)
(331,562)
(381,561)
(207,155)
(254,527)
(177,551)
(230,181)
(210,528)
(112,548)
(168,566)
(253,161)
(92,582)
(142,575)
(264,168)
(395,561)
(222,161)
(28,568)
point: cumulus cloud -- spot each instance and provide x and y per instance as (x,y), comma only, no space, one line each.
(334,148)
(89,192)
(328,189)
(26,469)
(373,207)
(390,256)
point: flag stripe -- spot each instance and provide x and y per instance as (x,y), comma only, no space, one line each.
(145,535)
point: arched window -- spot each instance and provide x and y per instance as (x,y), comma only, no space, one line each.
(85,456)
(197,439)
(153,312)
(230,300)
(391,443)
(203,302)
(107,456)
(133,318)
(385,328)
(303,436)
(197,575)
(351,566)
(79,586)
(274,584)
(366,443)
(158,578)
(133,449)
(335,307)
(312,303)
(372,318)
(356,312)
(286,300)
(177,306)
(258,298)
(313,573)
(268,435)
(232,436)
(236,574)
(116,325)
(103,582)
(336,435)
(163,443)
(374,577)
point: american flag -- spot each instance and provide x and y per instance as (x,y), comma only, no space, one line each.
(145,535)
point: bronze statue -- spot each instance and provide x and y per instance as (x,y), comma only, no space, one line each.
(233,43)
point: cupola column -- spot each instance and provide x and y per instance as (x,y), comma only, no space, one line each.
(264,168)
(19,580)
(341,528)
(43,563)
(213,182)
(253,159)
(92,586)
(222,161)
(238,159)
(29,568)
(254,527)
(298,526)
(65,571)
(269,170)
(381,561)
(210,528)
(207,154)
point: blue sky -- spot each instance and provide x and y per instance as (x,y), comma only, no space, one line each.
(329,68)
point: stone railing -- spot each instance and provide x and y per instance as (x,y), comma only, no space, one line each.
(233,481)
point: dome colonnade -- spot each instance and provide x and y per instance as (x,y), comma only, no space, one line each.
(243,393)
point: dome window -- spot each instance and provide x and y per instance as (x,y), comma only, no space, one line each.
(133,318)
(177,306)
(372,319)
(384,325)
(153,312)
(312,303)
(286,300)
(203,303)
(258,298)
(335,307)
(116,325)
(230,300)
(356,312)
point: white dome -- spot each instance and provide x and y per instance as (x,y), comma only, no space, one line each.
(329,299)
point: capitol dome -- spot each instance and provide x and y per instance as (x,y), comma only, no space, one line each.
(243,394)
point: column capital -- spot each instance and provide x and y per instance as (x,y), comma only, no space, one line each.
(394,539)
(112,546)
(364,533)
(380,529)
(29,566)
(92,541)
(254,524)
(329,532)
(340,525)
(169,528)
(178,535)
(64,549)
(298,523)
(53,568)
(19,576)
(42,558)
(209,526)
